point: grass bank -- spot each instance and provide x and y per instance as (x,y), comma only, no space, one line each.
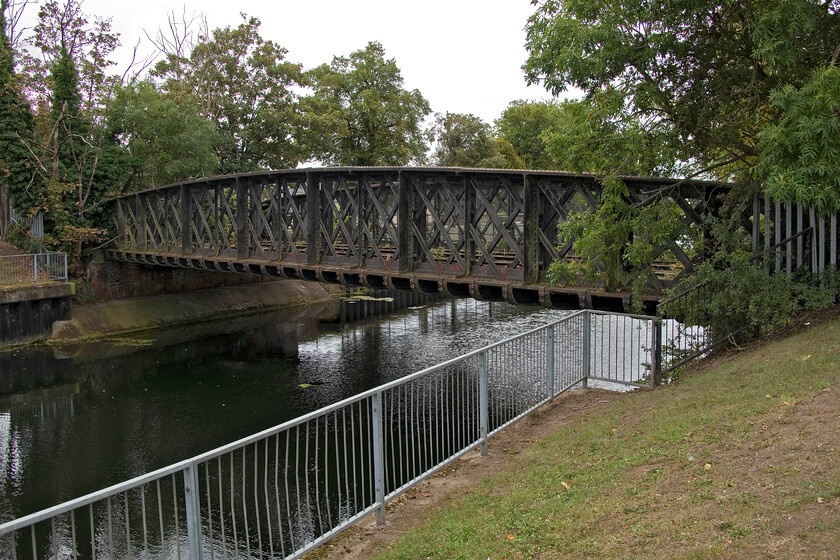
(739,461)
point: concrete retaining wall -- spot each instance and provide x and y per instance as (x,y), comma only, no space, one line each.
(27,313)
(127,315)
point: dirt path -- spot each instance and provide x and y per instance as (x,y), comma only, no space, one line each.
(366,538)
(8,249)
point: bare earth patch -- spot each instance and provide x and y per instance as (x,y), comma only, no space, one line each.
(8,249)
(366,538)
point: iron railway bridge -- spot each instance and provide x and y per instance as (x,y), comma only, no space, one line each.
(488,234)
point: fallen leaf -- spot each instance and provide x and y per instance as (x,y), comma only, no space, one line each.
(707,466)
(566,486)
(305,385)
(511,537)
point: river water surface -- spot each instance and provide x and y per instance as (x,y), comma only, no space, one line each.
(77,419)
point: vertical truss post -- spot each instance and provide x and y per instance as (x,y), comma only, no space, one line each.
(361,217)
(242,215)
(313,217)
(470,228)
(140,218)
(122,235)
(532,229)
(186,220)
(405,219)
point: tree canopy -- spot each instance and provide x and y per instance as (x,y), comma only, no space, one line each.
(701,70)
(243,84)
(360,113)
(466,141)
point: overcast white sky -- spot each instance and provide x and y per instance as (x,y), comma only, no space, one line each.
(465,56)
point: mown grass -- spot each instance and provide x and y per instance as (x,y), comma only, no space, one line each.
(741,461)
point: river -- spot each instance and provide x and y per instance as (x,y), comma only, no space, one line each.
(80,418)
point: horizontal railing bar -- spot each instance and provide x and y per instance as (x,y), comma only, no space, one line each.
(350,170)
(93,497)
(204,457)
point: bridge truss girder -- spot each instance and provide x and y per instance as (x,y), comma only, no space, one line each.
(489,234)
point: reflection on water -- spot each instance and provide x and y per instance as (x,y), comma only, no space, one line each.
(76,419)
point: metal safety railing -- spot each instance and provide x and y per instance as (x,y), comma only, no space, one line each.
(33,268)
(284,491)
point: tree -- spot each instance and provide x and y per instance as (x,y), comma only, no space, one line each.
(800,154)
(524,124)
(602,135)
(66,71)
(360,114)
(704,68)
(466,141)
(18,173)
(244,85)
(166,142)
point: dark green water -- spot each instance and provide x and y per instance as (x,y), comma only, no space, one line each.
(74,420)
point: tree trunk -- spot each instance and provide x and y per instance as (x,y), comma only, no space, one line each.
(4,212)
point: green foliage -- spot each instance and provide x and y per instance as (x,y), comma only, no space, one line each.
(619,242)
(166,142)
(800,153)
(465,141)
(747,296)
(702,68)
(524,124)
(18,163)
(360,114)
(601,134)
(735,291)
(243,84)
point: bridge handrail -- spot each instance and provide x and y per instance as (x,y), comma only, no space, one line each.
(524,371)
(353,170)
(33,268)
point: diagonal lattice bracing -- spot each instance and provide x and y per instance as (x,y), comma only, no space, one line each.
(418,224)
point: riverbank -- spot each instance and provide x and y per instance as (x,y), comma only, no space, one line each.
(736,460)
(136,314)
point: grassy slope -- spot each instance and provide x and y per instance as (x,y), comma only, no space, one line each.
(742,461)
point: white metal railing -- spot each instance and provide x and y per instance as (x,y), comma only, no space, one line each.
(284,491)
(33,268)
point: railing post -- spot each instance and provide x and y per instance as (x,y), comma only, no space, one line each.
(549,353)
(35,267)
(378,456)
(191,501)
(483,406)
(656,373)
(587,346)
